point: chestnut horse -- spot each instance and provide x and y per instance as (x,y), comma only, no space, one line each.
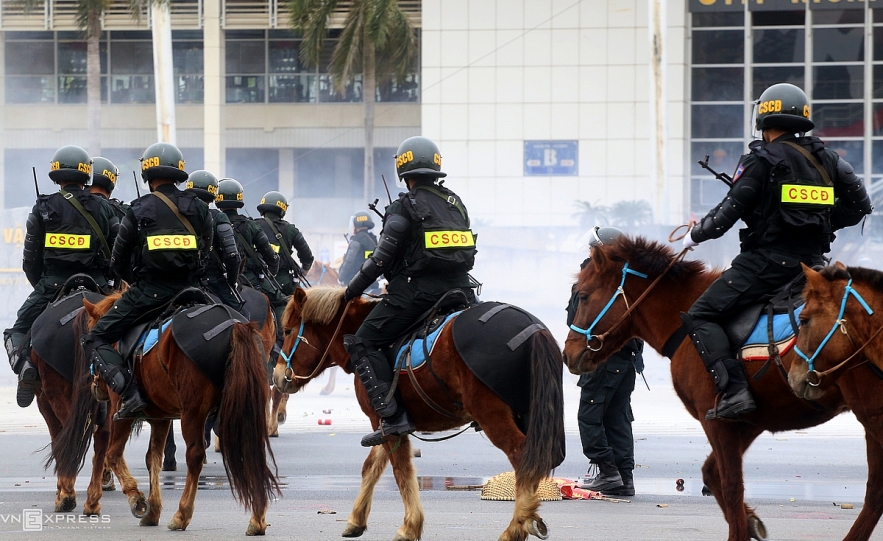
(834,290)
(312,318)
(322,274)
(628,268)
(178,389)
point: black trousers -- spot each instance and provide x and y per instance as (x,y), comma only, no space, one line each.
(605,413)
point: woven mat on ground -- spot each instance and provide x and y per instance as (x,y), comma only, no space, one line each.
(502,488)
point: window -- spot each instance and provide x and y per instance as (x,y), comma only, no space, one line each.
(30,67)
(189,66)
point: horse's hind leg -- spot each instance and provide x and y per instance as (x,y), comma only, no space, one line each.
(711,479)
(159,432)
(192,429)
(403,470)
(65,495)
(96,482)
(372,469)
(873,508)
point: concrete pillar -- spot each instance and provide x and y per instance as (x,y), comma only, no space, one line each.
(286,172)
(213,54)
(163,73)
(2,112)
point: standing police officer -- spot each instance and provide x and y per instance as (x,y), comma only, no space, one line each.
(426,249)
(68,232)
(284,238)
(159,252)
(793,194)
(104,180)
(222,261)
(360,248)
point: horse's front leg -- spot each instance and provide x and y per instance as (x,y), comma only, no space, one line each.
(873,508)
(192,427)
(403,470)
(159,431)
(272,416)
(729,441)
(96,482)
(372,469)
(119,434)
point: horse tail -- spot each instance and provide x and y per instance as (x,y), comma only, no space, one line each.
(69,448)
(242,422)
(544,443)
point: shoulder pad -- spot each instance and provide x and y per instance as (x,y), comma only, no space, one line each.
(397,223)
(845,170)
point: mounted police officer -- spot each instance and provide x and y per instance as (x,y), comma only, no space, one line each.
(285,239)
(793,194)
(68,232)
(159,252)
(222,262)
(425,250)
(104,180)
(361,246)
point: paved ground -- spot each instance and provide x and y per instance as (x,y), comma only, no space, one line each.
(793,479)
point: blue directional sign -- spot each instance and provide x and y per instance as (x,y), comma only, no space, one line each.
(551,158)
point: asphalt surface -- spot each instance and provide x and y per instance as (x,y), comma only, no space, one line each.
(797,481)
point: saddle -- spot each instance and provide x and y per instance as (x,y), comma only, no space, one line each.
(51,334)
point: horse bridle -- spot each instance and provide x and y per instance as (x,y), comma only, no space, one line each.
(815,378)
(289,372)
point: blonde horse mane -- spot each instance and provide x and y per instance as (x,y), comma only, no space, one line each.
(322,304)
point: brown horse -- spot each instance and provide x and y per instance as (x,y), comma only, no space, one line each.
(654,320)
(322,274)
(311,318)
(178,389)
(857,380)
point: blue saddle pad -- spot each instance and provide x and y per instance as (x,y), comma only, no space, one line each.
(781,329)
(417,357)
(151,337)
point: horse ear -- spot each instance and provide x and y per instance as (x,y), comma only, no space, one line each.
(814,280)
(90,307)
(300,295)
(838,264)
(599,258)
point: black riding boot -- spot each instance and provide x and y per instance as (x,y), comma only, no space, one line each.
(608,478)
(18,349)
(627,488)
(728,373)
(116,374)
(376,375)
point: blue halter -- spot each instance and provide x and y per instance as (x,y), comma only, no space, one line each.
(288,357)
(838,323)
(619,291)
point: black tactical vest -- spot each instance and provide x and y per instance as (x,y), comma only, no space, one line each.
(282,227)
(168,249)
(213,258)
(70,244)
(441,241)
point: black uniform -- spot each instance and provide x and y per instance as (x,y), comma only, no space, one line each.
(360,248)
(60,243)
(790,212)
(281,233)
(222,262)
(255,252)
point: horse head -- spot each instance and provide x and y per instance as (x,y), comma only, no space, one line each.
(829,323)
(313,325)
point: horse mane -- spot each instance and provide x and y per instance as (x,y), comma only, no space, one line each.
(650,257)
(872,277)
(321,305)
(104,305)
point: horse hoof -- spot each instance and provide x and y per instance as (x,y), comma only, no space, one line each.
(274,434)
(254,530)
(706,491)
(756,528)
(91,510)
(66,505)
(174,525)
(402,538)
(139,506)
(280,417)
(539,529)
(353,531)
(145,521)
(169,466)
(109,486)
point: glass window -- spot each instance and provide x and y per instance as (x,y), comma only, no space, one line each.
(283,56)
(717,121)
(838,16)
(245,89)
(838,119)
(30,57)
(406,90)
(723,156)
(352,92)
(187,57)
(838,45)
(878,81)
(189,88)
(39,89)
(838,82)
(775,46)
(711,192)
(132,89)
(718,84)
(131,57)
(72,56)
(851,151)
(878,120)
(245,57)
(767,77)
(877,156)
(878,42)
(718,46)
(778,18)
(728,18)
(293,88)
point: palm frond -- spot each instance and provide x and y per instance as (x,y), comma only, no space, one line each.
(347,56)
(397,50)
(28,5)
(311,17)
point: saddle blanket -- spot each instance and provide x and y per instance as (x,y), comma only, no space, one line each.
(150,337)
(756,346)
(416,350)
(52,335)
(204,333)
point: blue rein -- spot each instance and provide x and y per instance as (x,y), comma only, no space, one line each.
(288,370)
(619,291)
(838,323)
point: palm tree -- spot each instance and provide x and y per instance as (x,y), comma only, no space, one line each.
(590,215)
(630,214)
(376,39)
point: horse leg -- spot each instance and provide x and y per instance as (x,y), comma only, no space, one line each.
(119,434)
(169,463)
(192,429)
(372,469)
(272,416)
(282,413)
(65,494)
(711,479)
(403,470)
(729,441)
(873,508)
(159,432)
(101,439)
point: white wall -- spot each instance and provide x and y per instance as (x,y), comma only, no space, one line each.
(498,72)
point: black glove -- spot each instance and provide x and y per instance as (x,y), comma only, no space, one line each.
(307,268)
(349,294)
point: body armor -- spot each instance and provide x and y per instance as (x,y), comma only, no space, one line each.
(362,245)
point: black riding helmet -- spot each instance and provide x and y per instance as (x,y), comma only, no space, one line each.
(203,184)
(71,164)
(362,219)
(418,156)
(273,202)
(163,160)
(104,173)
(230,194)
(785,107)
